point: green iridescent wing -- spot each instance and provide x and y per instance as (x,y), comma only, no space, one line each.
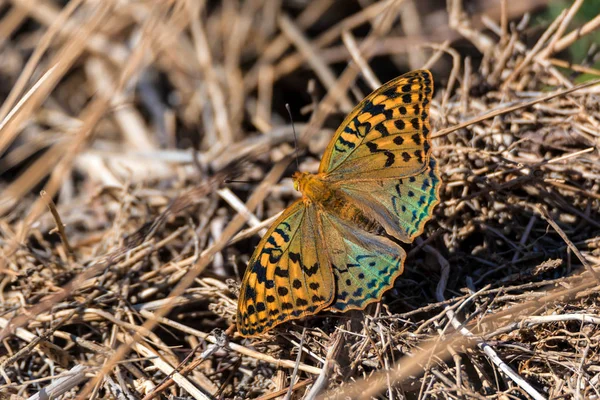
(364,265)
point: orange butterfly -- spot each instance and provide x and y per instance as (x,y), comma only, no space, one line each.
(322,253)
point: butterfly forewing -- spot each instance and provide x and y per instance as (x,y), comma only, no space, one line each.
(386,135)
(288,276)
(364,265)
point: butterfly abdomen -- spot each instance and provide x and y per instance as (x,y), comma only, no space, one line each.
(341,206)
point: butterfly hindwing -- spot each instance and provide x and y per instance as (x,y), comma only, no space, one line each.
(364,265)
(288,276)
(386,135)
(402,205)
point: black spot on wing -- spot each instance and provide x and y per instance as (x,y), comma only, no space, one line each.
(377,109)
(310,271)
(425,184)
(282,233)
(372,147)
(384,271)
(345,143)
(301,302)
(390,158)
(426,147)
(260,271)
(398,190)
(416,138)
(250,294)
(395,202)
(339,149)
(382,129)
(274,253)
(365,127)
(391,93)
(350,131)
(419,155)
(294,257)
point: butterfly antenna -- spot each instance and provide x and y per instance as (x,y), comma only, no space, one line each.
(287,107)
(240,181)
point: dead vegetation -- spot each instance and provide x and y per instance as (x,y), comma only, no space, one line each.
(122,248)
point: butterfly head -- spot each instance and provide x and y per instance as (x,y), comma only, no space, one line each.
(299,180)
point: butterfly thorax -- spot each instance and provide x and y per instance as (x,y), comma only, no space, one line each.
(316,189)
(313,187)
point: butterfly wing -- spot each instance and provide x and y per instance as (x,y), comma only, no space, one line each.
(364,265)
(402,205)
(288,276)
(386,135)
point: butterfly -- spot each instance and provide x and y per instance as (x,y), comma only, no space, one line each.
(323,253)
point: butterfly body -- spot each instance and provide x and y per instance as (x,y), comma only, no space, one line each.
(317,190)
(323,252)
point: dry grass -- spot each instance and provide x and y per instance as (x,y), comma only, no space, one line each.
(121,248)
